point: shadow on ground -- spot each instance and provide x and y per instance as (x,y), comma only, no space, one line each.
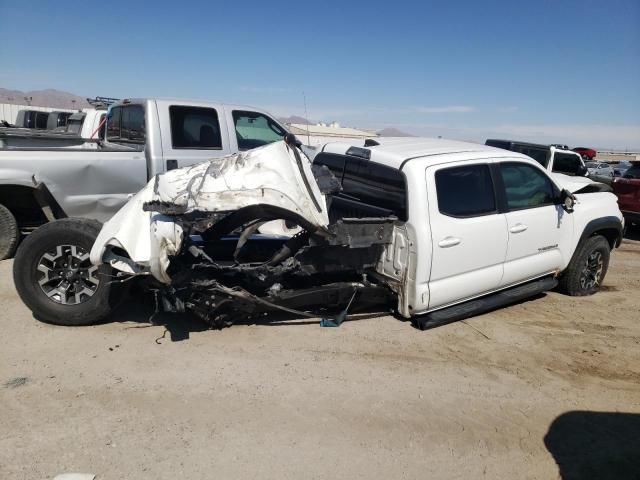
(596,445)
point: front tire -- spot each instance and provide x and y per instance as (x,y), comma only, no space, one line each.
(54,276)
(587,268)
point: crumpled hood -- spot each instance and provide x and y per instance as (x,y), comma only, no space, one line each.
(276,175)
(571,183)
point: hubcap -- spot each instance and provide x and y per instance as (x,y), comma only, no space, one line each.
(66,275)
(592,271)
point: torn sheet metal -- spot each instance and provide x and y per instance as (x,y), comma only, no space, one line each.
(142,236)
(573,183)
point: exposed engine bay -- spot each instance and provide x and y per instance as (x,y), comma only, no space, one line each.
(248,234)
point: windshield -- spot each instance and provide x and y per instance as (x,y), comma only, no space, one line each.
(592,165)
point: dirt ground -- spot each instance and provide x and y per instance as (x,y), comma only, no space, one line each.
(547,388)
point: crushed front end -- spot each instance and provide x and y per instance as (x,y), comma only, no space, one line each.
(237,238)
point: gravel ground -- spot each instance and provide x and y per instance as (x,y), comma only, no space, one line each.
(547,388)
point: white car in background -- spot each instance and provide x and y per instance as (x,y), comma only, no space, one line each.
(600,169)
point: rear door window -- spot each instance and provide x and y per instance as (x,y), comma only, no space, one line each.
(465,191)
(254,129)
(195,127)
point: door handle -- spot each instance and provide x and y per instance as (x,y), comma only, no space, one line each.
(520,227)
(449,242)
(172,164)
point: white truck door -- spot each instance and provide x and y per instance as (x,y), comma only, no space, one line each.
(538,228)
(469,236)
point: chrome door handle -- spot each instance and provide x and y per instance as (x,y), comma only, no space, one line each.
(518,228)
(449,242)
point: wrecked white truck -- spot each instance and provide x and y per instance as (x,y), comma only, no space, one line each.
(142,137)
(432,230)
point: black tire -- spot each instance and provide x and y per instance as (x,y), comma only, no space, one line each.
(67,240)
(9,233)
(587,268)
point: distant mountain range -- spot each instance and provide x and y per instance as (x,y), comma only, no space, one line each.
(295,119)
(43,98)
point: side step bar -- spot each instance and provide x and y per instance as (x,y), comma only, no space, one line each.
(483,304)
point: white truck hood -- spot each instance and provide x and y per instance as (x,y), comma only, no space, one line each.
(275,175)
(571,183)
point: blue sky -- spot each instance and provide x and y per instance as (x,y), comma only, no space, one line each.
(562,71)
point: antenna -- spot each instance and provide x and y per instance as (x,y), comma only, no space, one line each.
(304,98)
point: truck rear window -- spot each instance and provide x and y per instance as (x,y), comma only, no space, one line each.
(368,188)
(125,124)
(567,163)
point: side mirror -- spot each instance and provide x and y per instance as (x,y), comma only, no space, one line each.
(568,200)
(291,140)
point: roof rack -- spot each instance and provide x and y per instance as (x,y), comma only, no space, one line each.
(102,102)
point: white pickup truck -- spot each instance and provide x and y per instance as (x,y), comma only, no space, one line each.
(435,230)
(144,137)
(81,130)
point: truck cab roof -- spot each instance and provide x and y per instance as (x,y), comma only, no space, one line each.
(396,152)
(165,101)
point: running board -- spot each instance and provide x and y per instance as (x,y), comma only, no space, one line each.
(483,304)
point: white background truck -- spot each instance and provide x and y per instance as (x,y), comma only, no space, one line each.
(80,131)
(435,230)
(144,137)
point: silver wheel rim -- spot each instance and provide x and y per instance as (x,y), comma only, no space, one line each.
(66,275)
(592,271)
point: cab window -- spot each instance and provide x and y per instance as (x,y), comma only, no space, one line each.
(465,191)
(195,128)
(526,186)
(567,163)
(255,130)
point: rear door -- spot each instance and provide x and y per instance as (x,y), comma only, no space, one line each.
(469,235)
(197,133)
(539,229)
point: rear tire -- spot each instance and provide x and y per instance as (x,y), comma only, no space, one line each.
(9,233)
(55,279)
(587,268)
